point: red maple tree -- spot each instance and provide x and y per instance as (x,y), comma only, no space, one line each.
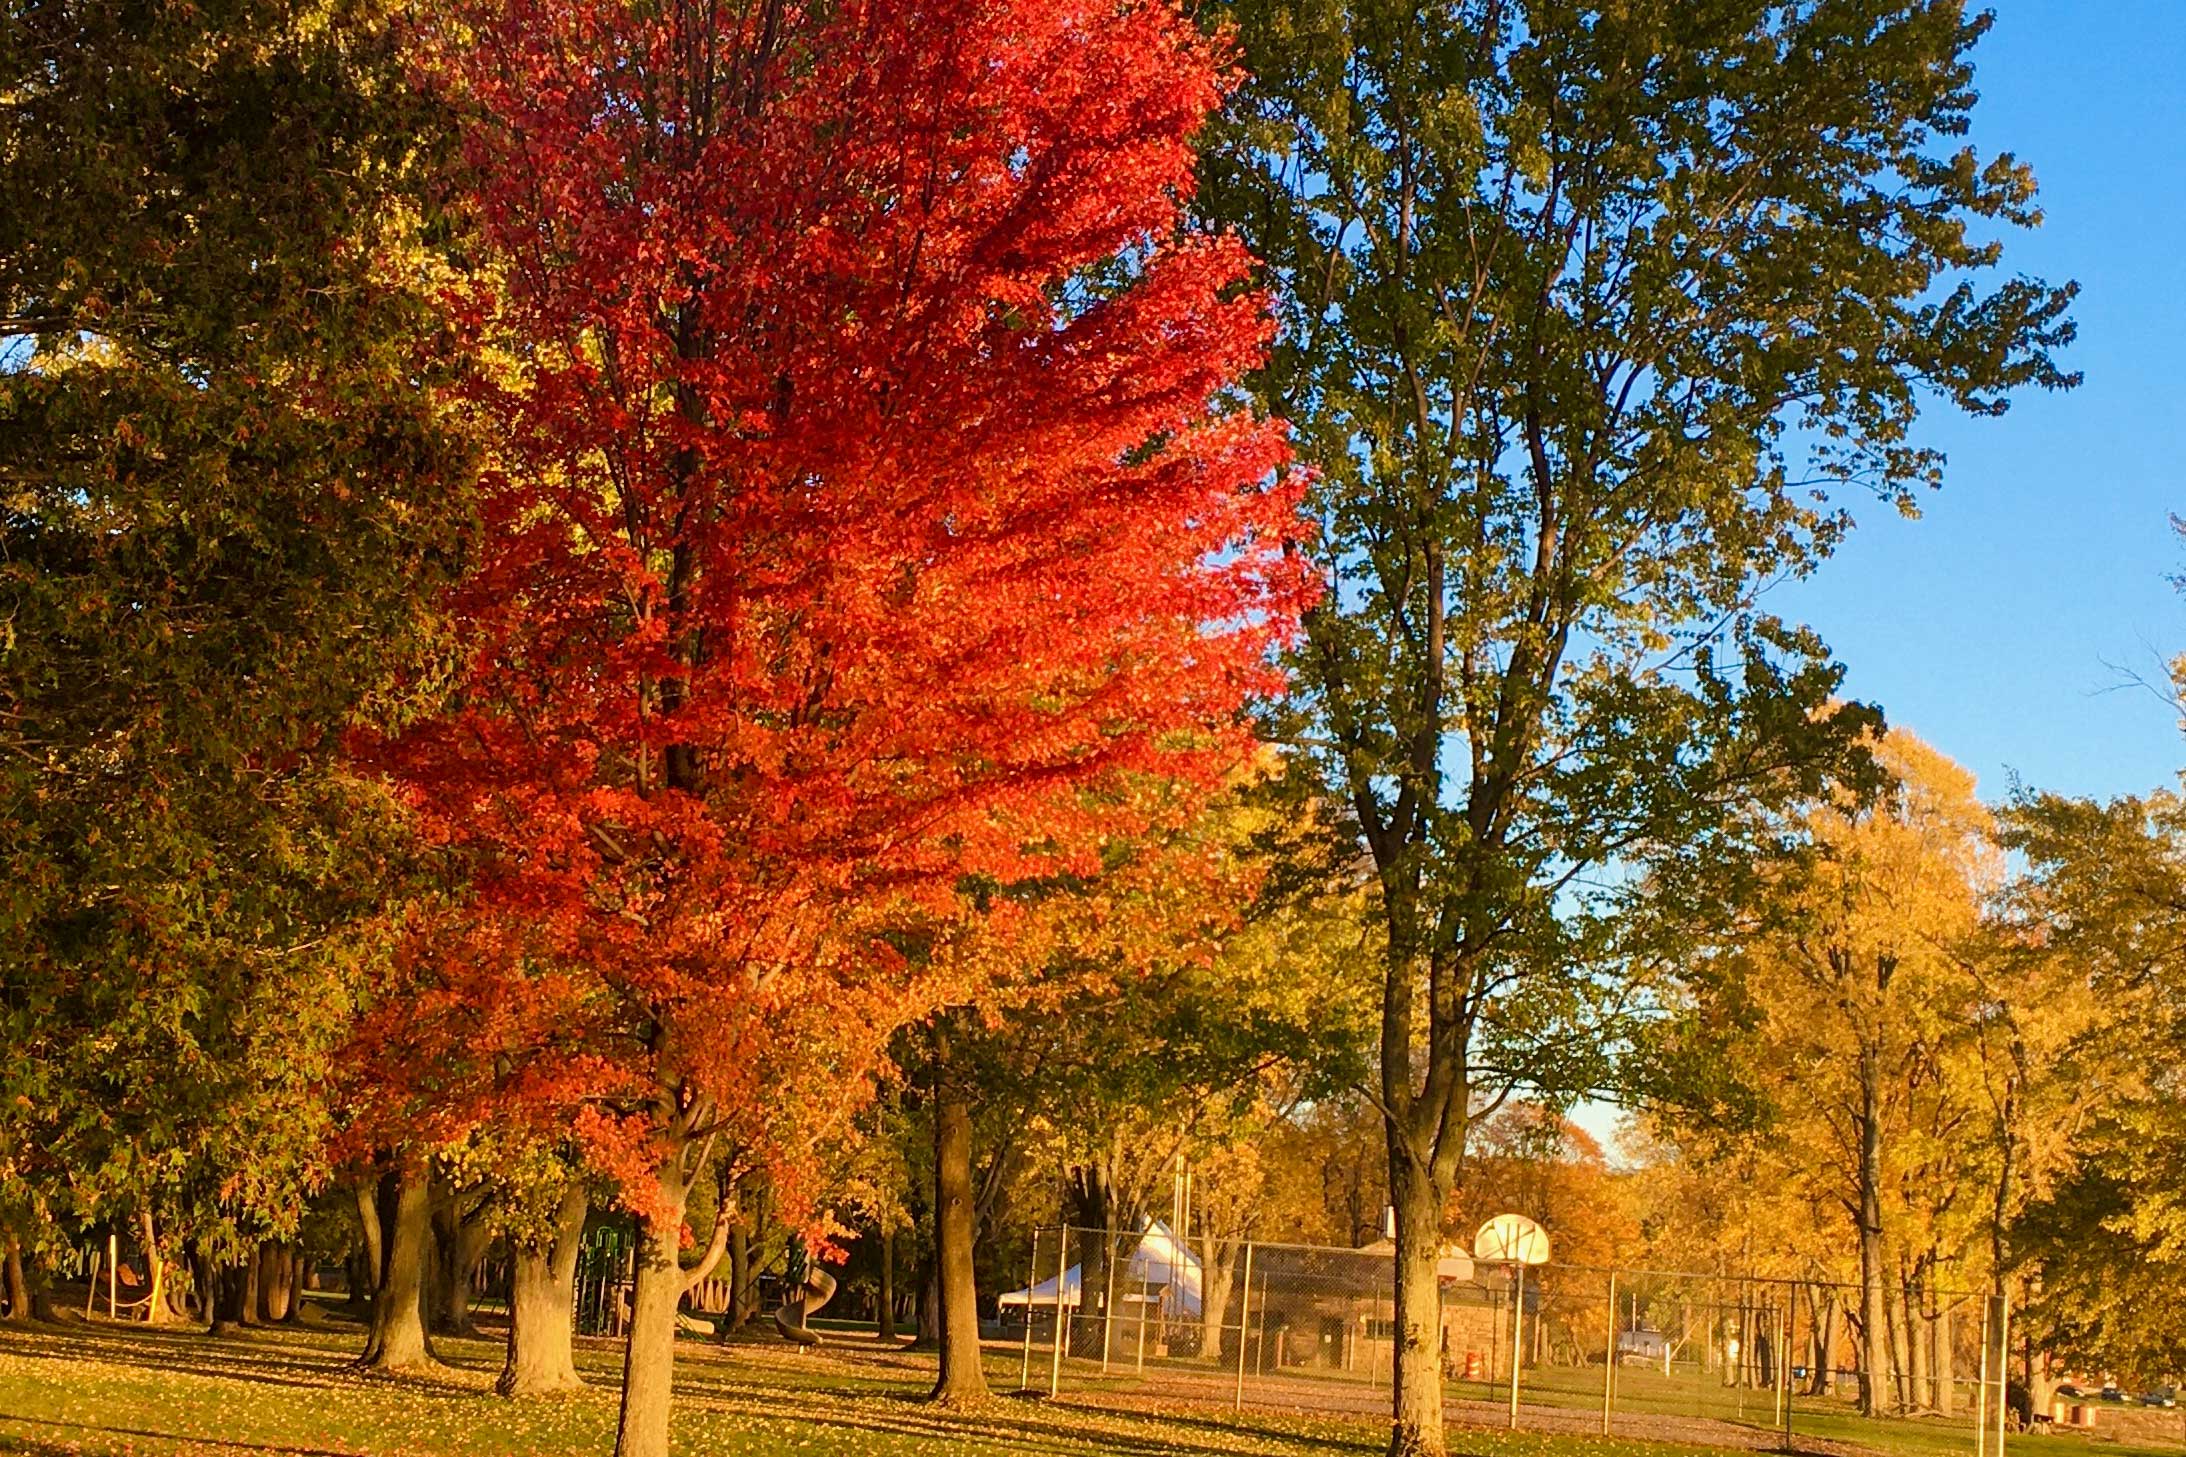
(868,516)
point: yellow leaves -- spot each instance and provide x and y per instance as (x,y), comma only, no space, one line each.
(1864,973)
(1903,878)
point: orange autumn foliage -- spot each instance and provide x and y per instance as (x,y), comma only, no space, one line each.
(867,523)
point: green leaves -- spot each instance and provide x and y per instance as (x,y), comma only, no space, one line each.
(1596,319)
(226,496)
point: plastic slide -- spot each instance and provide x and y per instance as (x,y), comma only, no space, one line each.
(817,1290)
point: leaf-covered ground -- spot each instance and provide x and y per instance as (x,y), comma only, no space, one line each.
(96,1389)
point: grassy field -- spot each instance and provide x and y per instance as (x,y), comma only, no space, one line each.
(1686,1409)
(97,1389)
(1814,1420)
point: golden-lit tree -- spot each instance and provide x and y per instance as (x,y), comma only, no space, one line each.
(1848,970)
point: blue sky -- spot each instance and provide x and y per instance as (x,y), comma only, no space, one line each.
(1986,625)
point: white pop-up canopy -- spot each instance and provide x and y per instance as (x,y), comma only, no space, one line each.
(1158,1260)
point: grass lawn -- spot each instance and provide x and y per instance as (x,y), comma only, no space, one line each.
(99,1389)
(1815,1420)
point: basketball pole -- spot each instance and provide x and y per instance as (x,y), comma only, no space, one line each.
(1517,1341)
(1514,1241)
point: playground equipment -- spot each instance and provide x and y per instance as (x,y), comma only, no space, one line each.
(806,1297)
(1158,1265)
(121,1276)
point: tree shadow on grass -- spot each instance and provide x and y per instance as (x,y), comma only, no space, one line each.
(861,1387)
(183,1439)
(1015,1426)
(843,1399)
(259,1360)
(1245,1426)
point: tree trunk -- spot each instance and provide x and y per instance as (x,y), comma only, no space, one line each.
(1823,1309)
(1092,1310)
(926,1307)
(884,1324)
(204,1285)
(251,1274)
(1416,1381)
(276,1281)
(739,1278)
(1091,1206)
(1874,1292)
(2038,1380)
(1941,1349)
(461,1235)
(398,1341)
(1918,1341)
(648,1368)
(162,1306)
(1734,1368)
(364,1282)
(446,1311)
(228,1288)
(1217,1273)
(752,1200)
(40,1293)
(300,1275)
(17,1286)
(960,1380)
(541,1299)
(1894,1306)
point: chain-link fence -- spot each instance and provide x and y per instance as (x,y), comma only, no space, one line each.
(1731,1360)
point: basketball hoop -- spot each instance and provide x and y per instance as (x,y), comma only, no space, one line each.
(1511,1239)
(1514,1242)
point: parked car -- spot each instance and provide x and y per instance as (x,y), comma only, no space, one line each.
(2113,1393)
(2160,1396)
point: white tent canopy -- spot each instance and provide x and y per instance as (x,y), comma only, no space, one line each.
(1158,1260)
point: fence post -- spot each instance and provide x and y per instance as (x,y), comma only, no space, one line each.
(1055,1356)
(1032,1279)
(1609,1354)
(1169,1270)
(1981,1387)
(1142,1321)
(1244,1320)
(1776,1339)
(1495,1338)
(1260,1352)
(1790,1328)
(113,1258)
(1108,1298)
